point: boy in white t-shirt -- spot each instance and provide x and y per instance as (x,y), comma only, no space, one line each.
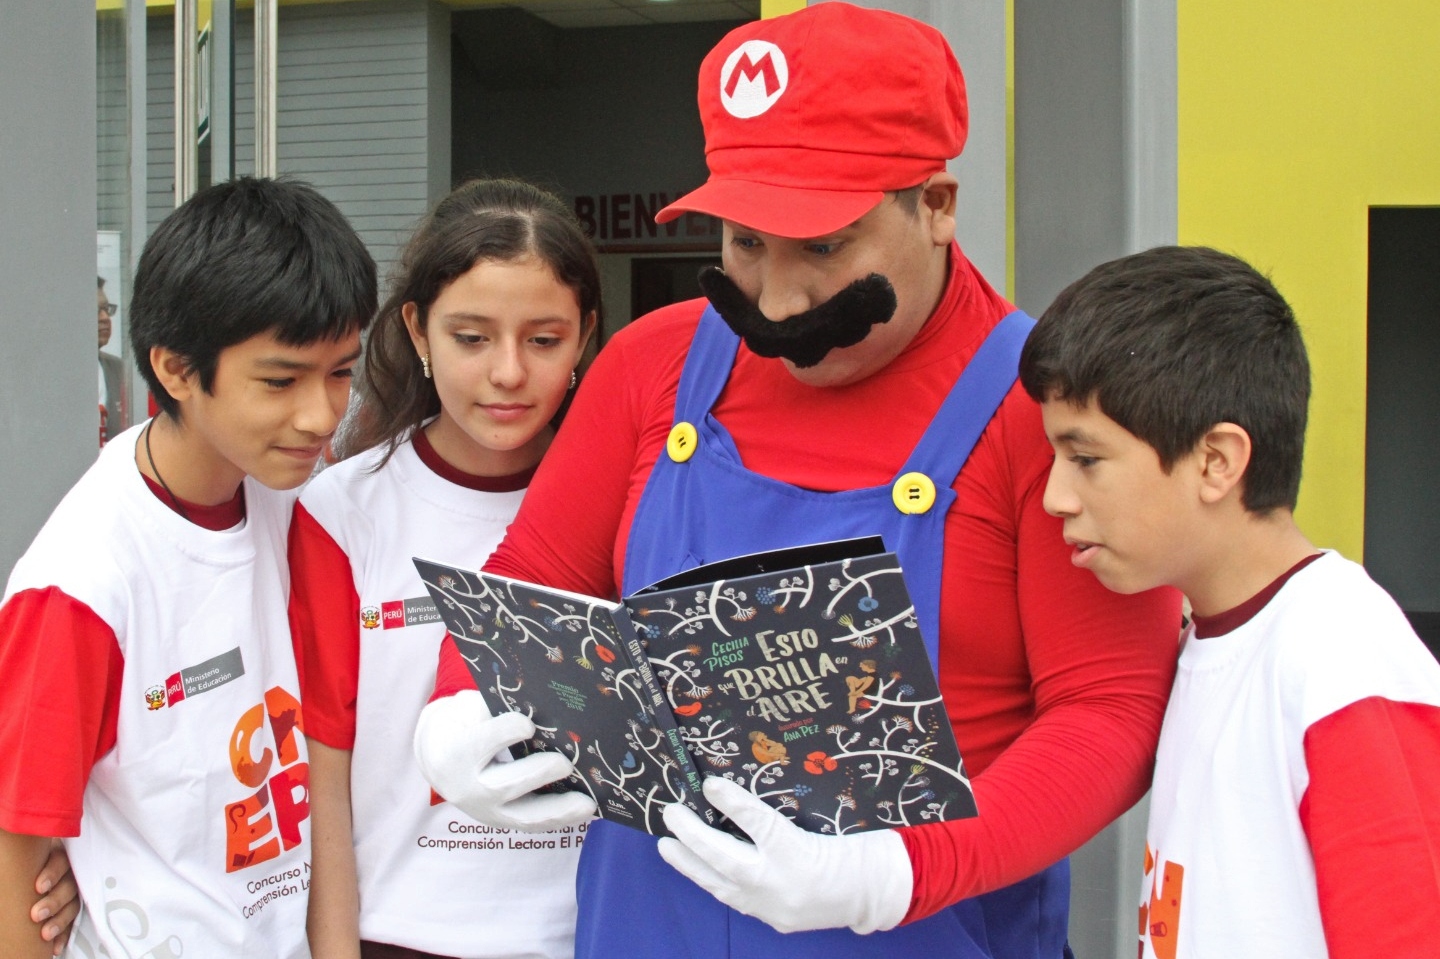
(159,729)
(1295,809)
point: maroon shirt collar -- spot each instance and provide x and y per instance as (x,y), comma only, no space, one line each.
(485,484)
(1208,627)
(219,518)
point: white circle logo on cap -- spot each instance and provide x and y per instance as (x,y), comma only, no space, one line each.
(752,79)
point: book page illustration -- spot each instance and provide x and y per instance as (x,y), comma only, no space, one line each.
(562,662)
(810,687)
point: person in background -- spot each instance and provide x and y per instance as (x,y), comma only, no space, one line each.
(850,372)
(112,415)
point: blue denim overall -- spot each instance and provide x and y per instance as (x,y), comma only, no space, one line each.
(710,507)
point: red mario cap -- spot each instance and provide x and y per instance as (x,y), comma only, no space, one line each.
(809,118)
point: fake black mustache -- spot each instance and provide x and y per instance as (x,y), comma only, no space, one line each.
(805,338)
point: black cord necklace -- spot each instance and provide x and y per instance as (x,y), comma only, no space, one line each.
(174,500)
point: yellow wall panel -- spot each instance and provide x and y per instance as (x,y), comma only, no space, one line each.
(1294,118)
(777,8)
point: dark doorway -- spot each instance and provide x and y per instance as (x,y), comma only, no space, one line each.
(1402,420)
(660,281)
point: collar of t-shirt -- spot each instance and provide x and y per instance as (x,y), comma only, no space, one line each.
(1208,627)
(485,484)
(218,519)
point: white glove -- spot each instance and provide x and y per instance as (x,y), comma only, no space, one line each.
(463,751)
(792,879)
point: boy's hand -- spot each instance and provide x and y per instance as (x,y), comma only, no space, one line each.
(26,862)
(463,751)
(59,899)
(792,879)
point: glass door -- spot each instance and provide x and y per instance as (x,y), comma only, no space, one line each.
(165,127)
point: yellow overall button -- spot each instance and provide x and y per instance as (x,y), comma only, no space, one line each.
(913,493)
(683,440)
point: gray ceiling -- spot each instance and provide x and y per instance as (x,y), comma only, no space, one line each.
(631,13)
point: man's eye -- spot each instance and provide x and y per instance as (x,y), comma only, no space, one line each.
(1084,462)
(279,384)
(822,249)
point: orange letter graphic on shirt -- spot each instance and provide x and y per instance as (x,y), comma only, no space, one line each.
(242,829)
(285,722)
(1164,912)
(1144,902)
(291,810)
(246,769)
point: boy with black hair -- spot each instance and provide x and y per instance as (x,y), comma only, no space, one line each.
(1296,802)
(148,615)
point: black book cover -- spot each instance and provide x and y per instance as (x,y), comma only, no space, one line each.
(574,666)
(808,683)
(798,673)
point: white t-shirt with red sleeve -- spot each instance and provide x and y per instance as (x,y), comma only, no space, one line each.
(158,725)
(367,637)
(1296,803)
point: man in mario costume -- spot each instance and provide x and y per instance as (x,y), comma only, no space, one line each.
(848,373)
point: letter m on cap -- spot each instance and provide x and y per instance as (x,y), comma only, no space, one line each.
(762,67)
(750,69)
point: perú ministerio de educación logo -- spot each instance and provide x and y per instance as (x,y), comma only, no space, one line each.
(752,79)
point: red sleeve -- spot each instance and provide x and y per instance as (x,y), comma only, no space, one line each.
(1055,762)
(62,717)
(325,630)
(1372,816)
(452,674)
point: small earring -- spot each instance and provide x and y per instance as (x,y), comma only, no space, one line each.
(425,365)
(573,379)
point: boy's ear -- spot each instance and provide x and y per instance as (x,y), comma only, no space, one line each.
(174,373)
(1224,456)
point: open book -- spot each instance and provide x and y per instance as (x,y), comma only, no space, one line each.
(799,673)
